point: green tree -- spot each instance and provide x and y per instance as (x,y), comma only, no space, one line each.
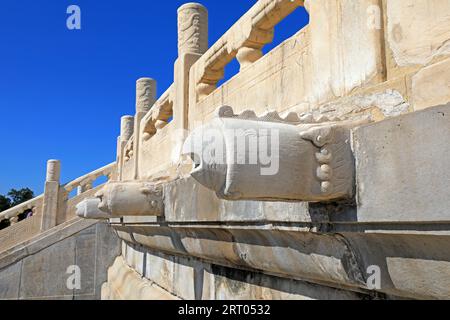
(5,203)
(12,199)
(20,196)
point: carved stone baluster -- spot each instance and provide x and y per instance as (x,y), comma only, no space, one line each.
(13,220)
(246,56)
(66,193)
(86,186)
(204,89)
(249,43)
(213,69)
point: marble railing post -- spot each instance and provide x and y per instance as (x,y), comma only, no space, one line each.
(192,44)
(126,128)
(126,132)
(51,195)
(145,98)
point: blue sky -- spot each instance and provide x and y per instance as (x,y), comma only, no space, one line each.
(62,92)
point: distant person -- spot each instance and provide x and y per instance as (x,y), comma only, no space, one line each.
(29,214)
(25,215)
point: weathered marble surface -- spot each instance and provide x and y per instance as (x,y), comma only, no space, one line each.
(431,86)
(337,260)
(418,40)
(127,284)
(40,270)
(192,279)
(402,169)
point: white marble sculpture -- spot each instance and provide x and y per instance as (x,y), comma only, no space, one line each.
(88,209)
(273,158)
(120,199)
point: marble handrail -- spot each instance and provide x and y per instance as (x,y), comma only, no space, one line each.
(85,182)
(244,40)
(17,210)
(159,115)
(82,181)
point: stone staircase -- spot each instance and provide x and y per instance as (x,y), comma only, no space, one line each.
(37,252)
